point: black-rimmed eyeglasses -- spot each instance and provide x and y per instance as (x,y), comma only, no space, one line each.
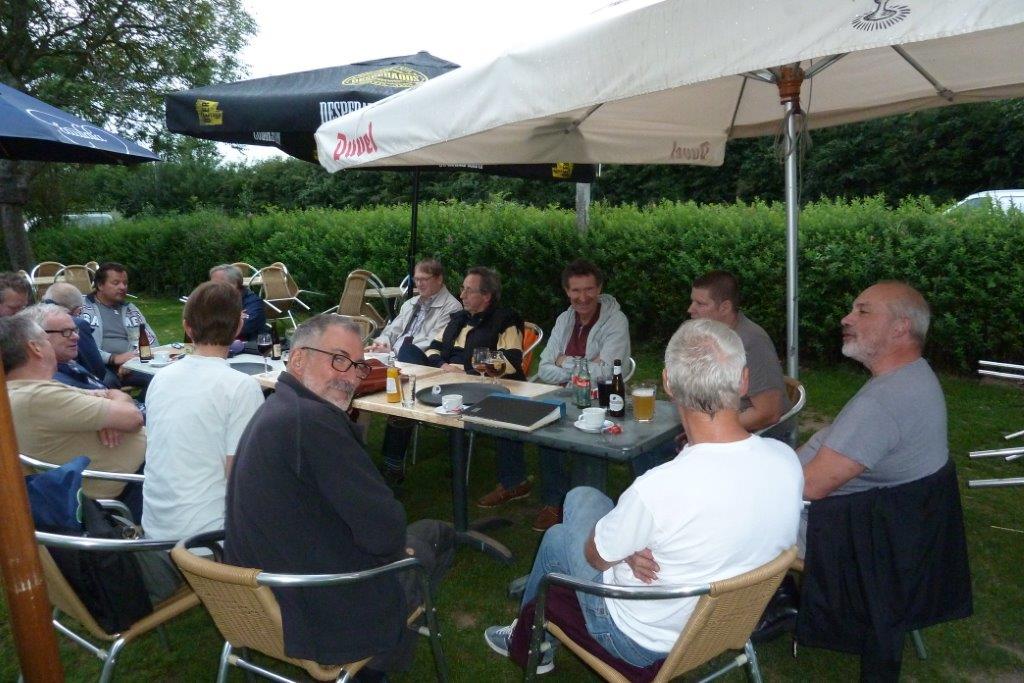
(67,332)
(341,362)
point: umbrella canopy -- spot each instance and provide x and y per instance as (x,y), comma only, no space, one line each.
(670,82)
(284,111)
(32,130)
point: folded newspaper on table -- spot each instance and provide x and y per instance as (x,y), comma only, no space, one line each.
(514,412)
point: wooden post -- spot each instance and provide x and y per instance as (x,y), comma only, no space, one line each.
(34,638)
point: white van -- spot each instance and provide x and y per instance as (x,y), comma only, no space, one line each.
(1004,199)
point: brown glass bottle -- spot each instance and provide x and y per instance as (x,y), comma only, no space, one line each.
(617,393)
(145,352)
(275,353)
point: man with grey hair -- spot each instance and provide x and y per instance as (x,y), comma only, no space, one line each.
(15,293)
(54,422)
(893,431)
(728,503)
(255,317)
(304,497)
(64,336)
(421,316)
(67,295)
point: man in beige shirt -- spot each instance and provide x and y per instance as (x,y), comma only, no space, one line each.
(55,423)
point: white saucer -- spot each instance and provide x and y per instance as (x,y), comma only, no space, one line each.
(441,411)
(579,425)
(154,364)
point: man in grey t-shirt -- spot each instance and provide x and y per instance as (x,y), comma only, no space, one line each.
(716,296)
(893,431)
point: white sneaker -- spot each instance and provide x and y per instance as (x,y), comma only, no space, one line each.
(497,638)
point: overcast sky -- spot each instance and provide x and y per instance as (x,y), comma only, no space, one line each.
(297,35)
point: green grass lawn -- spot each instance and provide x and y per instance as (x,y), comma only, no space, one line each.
(988,646)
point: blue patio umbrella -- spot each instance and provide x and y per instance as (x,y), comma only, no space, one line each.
(32,130)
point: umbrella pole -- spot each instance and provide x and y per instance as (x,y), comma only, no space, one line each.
(792,232)
(790,79)
(24,586)
(411,260)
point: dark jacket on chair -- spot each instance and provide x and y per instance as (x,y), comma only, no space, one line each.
(881,563)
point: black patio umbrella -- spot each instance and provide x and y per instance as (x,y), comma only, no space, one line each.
(32,130)
(284,111)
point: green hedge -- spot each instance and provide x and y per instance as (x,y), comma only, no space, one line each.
(967,264)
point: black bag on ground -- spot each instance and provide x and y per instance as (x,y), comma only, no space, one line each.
(109,584)
(780,614)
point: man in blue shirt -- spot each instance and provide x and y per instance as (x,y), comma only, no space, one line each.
(67,296)
(252,305)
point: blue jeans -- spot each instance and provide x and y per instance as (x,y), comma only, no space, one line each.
(562,550)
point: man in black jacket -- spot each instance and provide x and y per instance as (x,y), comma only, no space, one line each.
(304,497)
(481,323)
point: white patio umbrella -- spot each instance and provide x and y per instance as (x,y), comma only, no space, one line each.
(670,82)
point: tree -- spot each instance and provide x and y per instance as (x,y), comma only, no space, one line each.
(110,61)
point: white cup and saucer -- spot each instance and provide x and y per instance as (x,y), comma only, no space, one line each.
(451,404)
(160,359)
(592,420)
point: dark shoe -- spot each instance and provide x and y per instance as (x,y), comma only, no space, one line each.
(547,517)
(500,495)
(780,615)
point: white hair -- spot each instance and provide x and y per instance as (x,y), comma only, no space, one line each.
(40,312)
(704,364)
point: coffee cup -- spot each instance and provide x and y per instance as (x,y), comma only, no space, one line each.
(451,402)
(592,418)
(161,357)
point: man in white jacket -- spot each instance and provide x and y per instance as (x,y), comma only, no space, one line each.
(593,327)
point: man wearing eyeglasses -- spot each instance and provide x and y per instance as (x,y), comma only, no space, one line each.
(64,336)
(422,316)
(67,295)
(305,497)
(55,422)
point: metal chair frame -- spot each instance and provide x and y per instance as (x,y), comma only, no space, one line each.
(278,580)
(792,387)
(747,658)
(180,602)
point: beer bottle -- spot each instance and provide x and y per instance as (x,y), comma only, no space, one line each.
(394,385)
(275,353)
(145,352)
(617,394)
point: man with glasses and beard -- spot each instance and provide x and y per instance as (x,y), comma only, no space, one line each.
(305,497)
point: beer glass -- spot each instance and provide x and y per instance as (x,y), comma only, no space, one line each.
(643,402)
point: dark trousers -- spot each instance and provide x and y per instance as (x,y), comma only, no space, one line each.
(433,543)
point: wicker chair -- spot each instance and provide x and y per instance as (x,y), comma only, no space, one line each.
(66,601)
(353,301)
(247,614)
(249,272)
(77,275)
(723,619)
(280,293)
(368,328)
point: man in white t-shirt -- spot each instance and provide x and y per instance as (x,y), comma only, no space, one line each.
(729,502)
(197,409)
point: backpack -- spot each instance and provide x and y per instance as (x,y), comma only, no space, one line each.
(108,583)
